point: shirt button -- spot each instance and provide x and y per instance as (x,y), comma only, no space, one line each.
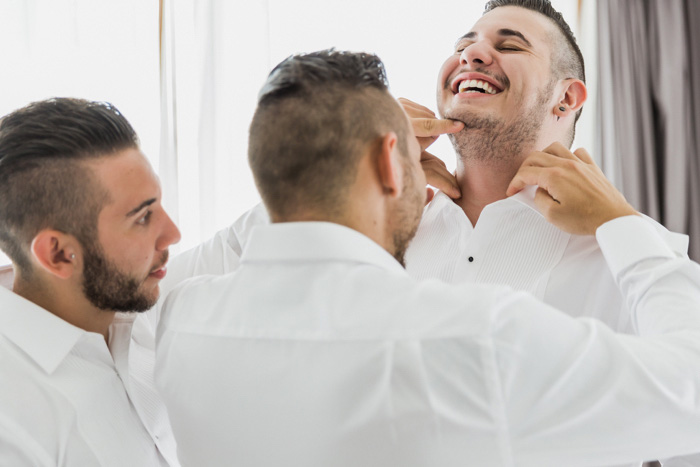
(471,259)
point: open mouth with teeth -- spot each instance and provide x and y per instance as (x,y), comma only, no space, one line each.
(477,86)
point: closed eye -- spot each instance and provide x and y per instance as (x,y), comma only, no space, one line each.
(143,220)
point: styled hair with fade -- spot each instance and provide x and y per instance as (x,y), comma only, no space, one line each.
(567,59)
(317,114)
(43,181)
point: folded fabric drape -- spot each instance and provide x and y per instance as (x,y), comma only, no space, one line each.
(649,107)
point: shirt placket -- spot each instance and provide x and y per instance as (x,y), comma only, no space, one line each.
(120,346)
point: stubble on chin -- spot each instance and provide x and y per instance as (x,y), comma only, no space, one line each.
(493,143)
(497,142)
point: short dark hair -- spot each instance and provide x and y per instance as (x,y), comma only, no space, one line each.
(316,114)
(567,59)
(43,182)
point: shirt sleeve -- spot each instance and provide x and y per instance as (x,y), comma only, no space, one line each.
(678,242)
(685,461)
(575,393)
(219,255)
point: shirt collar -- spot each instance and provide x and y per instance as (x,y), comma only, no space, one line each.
(45,337)
(315,241)
(525,197)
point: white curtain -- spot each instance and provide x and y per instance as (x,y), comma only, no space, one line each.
(215,55)
(94,49)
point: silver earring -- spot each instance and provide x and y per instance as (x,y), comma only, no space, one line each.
(72,256)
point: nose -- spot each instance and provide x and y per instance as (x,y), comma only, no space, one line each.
(170,234)
(477,53)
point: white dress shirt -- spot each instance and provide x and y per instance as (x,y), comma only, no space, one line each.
(69,399)
(319,350)
(513,244)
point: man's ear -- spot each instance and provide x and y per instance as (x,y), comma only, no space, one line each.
(388,165)
(571,98)
(55,252)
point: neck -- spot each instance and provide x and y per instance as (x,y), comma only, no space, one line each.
(363,211)
(490,152)
(482,183)
(73,308)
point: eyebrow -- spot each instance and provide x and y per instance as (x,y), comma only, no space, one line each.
(513,33)
(138,208)
(501,32)
(469,35)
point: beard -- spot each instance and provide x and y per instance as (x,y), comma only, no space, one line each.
(408,213)
(110,289)
(490,140)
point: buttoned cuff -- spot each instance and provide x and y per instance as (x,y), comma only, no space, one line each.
(625,241)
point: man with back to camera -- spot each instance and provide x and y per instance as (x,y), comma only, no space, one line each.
(320,350)
(81,220)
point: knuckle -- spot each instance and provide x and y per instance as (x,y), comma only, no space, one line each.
(428,124)
(570,165)
(556,173)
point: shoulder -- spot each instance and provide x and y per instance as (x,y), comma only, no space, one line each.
(190,295)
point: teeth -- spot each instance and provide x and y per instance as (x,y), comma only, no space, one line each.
(476,83)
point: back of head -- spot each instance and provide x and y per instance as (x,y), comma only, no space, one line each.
(44,182)
(317,114)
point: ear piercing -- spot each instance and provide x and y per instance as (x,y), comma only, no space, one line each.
(562,108)
(72,256)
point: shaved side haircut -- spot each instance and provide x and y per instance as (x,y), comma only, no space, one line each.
(317,114)
(44,182)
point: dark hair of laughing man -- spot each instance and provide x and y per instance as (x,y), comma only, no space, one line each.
(320,348)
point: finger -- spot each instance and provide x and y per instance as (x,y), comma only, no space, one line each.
(434,127)
(526,176)
(429,195)
(545,204)
(425,142)
(545,197)
(559,150)
(582,154)
(544,159)
(415,107)
(425,156)
(444,183)
(437,175)
(419,112)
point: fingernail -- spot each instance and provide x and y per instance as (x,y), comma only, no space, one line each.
(457,123)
